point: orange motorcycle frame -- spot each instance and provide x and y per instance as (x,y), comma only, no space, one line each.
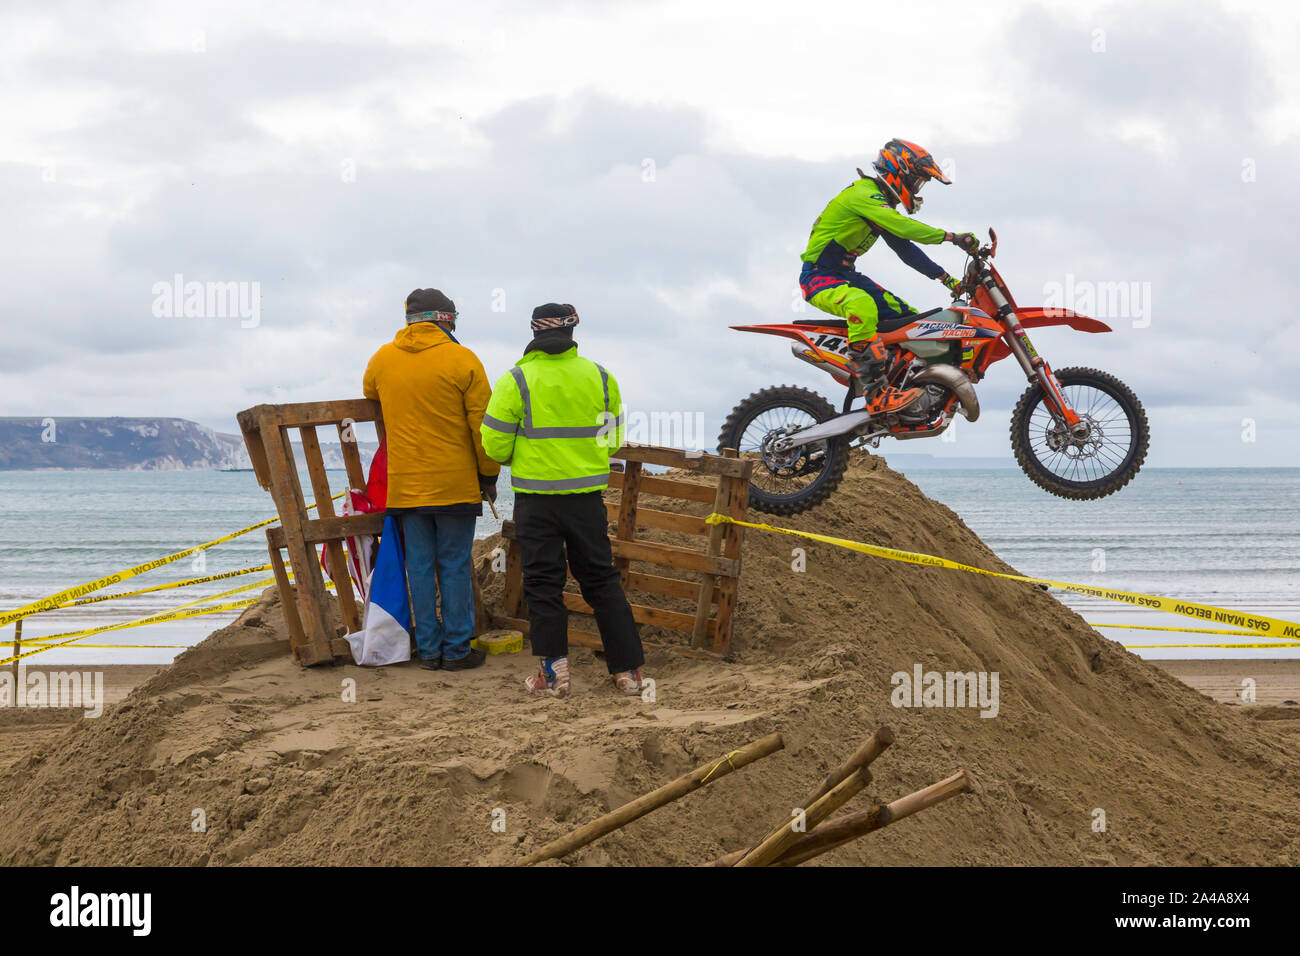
(984,339)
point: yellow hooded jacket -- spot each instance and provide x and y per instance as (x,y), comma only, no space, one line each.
(433,392)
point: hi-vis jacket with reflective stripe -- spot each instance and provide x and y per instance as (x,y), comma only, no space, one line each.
(555,420)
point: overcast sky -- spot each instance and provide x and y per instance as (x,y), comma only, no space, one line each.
(656,164)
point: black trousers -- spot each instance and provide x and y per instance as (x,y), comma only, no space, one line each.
(549,529)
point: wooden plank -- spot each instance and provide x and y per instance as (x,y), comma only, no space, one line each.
(250,426)
(710,582)
(513,597)
(663,520)
(643,614)
(320,483)
(658,584)
(732,538)
(352,457)
(301,414)
(625,521)
(698,462)
(674,557)
(288,600)
(338,563)
(320,530)
(308,584)
(668,487)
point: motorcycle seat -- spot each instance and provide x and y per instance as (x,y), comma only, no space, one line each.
(885,325)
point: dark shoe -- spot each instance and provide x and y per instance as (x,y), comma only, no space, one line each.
(474,658)
(431,663)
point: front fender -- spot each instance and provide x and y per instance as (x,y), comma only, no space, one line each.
(1038,316)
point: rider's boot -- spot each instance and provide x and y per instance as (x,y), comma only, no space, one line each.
(867,361)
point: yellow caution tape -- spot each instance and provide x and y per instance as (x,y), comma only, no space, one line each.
(177,613)
(172,646)
(72,636)
(1270,647)
(499,642)
(180,607)
(81,590)
(166,587)
(1254,624)
(1181,630)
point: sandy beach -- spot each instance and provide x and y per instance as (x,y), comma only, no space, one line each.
(345,765)
(1277,682)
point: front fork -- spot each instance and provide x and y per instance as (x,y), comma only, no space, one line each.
(1034,365)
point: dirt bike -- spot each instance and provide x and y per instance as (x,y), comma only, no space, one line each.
(1078,433)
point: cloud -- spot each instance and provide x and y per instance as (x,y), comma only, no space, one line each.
(338,173)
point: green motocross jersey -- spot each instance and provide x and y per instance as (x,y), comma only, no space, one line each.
(853,220)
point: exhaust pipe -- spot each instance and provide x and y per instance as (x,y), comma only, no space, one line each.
(955,379)
(837,373)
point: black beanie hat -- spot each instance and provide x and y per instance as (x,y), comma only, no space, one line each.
(429,305)
(553,315)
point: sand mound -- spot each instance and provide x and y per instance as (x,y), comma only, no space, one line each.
(290,766)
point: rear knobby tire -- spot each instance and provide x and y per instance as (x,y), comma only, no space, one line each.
(1048,480)
(836,457)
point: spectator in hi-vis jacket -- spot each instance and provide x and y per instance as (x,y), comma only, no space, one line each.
(555,418)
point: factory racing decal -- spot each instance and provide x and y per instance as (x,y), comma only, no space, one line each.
(942,330)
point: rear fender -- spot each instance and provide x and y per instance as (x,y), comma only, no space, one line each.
(800,334)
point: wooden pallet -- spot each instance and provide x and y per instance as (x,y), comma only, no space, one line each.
(712,571)
(266,434)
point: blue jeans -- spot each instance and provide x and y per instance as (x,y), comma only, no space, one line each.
(438,562)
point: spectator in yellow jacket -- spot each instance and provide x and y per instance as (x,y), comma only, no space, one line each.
(433,392)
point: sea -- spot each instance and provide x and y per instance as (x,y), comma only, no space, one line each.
(1228,537)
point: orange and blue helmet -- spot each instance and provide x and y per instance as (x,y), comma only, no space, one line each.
(903,168)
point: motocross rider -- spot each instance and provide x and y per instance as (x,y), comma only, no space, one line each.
(848,227)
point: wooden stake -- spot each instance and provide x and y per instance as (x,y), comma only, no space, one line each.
(775,844)
(871,748)
(848,828)
(836,833)
(639,807)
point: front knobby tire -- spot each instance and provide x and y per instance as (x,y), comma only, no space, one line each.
(1113,465)
(769,492)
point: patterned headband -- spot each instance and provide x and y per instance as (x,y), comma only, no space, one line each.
(431,317)
(557,322)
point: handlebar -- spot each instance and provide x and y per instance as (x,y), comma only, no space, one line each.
(976,263)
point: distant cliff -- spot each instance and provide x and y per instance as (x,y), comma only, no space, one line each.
(136,444)
(130,444)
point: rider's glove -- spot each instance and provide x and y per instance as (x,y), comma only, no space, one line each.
(952,282)
(967,241)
